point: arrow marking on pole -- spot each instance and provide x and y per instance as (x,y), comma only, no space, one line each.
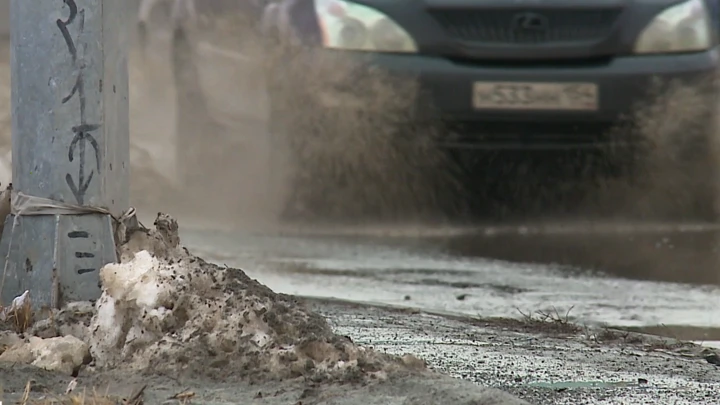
(81,136)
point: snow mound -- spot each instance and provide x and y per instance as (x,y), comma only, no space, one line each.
(64,354)
(164,310)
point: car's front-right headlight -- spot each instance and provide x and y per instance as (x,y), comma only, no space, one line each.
(349,26)
(684,27)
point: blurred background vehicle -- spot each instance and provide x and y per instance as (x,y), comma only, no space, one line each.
(548,79)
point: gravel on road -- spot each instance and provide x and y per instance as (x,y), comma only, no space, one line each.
(543,360)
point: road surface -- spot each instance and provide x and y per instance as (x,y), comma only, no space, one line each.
(427,272)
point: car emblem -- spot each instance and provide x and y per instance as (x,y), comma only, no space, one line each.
(530,22)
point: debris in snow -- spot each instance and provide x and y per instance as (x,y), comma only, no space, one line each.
(183,396)
(163,242)
(166,310)
(71,386)
(17,303)
(63,354)
(8,339)
(73,319)
(19,313)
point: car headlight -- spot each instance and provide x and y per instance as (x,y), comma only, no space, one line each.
(349,26)
(684,27)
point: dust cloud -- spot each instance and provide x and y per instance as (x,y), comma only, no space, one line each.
(671,172)
(364,152)
(356,153)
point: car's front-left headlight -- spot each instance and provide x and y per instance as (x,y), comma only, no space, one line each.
(684,27)
(349,26)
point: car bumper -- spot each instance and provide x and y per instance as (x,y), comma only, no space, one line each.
(623,83)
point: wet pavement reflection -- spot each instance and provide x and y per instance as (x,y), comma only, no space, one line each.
(641,276)
(659,252)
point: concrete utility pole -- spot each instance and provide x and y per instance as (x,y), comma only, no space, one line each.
(70,145)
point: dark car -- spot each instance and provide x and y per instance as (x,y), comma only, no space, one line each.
(517,74)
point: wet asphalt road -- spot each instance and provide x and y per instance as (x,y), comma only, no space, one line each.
(494,272)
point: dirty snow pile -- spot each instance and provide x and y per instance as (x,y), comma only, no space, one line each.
(164,310)
(55,343)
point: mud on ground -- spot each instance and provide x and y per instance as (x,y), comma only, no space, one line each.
(543,361)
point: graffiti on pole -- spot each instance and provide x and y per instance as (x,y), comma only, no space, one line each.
(82,133)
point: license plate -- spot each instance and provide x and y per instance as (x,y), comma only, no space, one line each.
(535,96)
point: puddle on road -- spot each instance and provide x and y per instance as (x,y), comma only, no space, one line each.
(675,253)
(679,332)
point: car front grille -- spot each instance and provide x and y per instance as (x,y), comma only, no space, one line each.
(501,135)
(498,27)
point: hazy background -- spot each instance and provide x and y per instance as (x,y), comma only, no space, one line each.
(414,190)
